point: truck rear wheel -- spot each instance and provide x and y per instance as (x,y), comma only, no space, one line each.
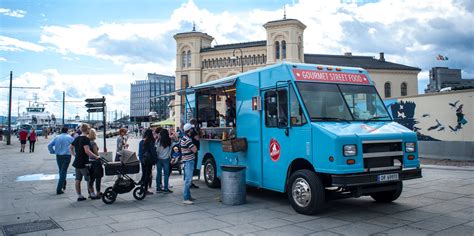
(306,192)
(388,196)
(210,174)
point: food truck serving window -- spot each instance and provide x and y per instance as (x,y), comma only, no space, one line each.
(332,102)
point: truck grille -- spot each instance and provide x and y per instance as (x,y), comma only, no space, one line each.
(382,155)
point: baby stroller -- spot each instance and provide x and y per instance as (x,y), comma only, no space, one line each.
(129,164)
(176,155)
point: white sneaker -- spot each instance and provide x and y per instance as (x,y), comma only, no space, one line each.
(188,202)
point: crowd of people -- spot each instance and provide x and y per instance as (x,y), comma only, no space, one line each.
(159,150)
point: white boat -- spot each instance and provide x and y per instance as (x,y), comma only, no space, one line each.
(35,117)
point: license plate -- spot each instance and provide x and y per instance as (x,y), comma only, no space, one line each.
(387,177)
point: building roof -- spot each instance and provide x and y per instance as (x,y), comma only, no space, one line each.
(235,46)
(365,62)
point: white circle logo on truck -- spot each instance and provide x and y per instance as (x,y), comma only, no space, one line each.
(274,150)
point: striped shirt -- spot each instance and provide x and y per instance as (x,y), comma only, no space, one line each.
(186,144)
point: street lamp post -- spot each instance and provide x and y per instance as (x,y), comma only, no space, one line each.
(241,58)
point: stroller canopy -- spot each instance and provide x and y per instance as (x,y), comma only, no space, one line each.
(128,157)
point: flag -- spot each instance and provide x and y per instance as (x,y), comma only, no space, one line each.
(441,58)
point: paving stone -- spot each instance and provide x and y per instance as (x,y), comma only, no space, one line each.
(457,230)
(229,210)
(443,195)
(210,233)
(289,230)
(135,232)
(470,223)
(136,224)
(405,231)
(19,218)
(241,229)
(413,215)
(136,216)
(300,218)
(356,215)
(187,216)
(439,223)
(443,208)
(389,222)
(179,209)
(188,227)
(86,223)
(359,228)
(324,233)
(322,224)
(272,223)
(92,230)
(250,216)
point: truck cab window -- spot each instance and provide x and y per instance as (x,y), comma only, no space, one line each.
(276,108)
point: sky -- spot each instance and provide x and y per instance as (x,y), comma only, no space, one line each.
(91,48)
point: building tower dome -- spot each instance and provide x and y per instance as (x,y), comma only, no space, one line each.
(285,41)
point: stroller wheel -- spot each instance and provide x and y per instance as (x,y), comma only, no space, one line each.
(109,196)
(139,193)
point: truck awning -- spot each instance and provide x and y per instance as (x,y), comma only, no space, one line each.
(220,83)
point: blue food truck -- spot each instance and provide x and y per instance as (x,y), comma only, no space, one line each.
(316,132)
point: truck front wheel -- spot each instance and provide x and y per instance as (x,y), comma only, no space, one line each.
(306,192)
(388,196)
(210,174)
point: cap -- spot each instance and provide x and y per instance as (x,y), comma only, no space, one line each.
(187,127)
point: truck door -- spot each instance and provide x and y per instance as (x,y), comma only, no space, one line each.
(275,140)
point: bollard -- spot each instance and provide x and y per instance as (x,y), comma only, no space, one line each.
(233,190)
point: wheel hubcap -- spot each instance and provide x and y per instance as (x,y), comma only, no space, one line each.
(209,173)
(301,192)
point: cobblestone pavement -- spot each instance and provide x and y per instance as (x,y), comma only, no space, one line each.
(441,203)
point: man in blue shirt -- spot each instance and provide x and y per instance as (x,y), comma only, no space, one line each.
(60,146)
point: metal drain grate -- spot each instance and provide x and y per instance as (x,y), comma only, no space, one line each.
(29,227)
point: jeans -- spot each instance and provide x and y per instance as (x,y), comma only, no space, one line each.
(32,146)
(63,163)
(188,176)
(163,165)
(146,172)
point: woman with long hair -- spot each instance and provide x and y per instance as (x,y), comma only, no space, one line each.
(163,148)
(96,171)
(147,155)
(32,139)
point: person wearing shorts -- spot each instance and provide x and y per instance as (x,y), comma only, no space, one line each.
(80,149)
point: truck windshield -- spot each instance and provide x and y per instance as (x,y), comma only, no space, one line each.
(342,102)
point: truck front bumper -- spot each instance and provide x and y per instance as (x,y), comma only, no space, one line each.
(349,180)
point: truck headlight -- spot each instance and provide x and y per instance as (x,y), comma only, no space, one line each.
(410,147)
(350,150)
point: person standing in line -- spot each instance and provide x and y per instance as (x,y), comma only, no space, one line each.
(163,148)
(22,136)
(188,150)
(195,138)
(121,143)
(96,171)
(32,139)
(60,146)
(80,149)
(148,157)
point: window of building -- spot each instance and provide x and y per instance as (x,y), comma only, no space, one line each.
(277,50)
(388,89)
(183,59)
(283,49)
(189,58)
(403,89)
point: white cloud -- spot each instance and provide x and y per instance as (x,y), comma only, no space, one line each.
(3,59)
(12,13)
(12,44)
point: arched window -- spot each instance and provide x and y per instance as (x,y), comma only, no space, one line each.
(277,50)
(183,59)
(283,49)
(189,58)
(388,90)
(403,89)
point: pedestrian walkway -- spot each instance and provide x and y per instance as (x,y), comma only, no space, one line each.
(441,203)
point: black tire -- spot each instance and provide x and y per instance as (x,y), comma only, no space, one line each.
(210,174)
(139,193)
(306,192)
(109,196)
(388,196)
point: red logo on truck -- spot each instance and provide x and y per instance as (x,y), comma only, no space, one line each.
(274,150)
(331,77)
